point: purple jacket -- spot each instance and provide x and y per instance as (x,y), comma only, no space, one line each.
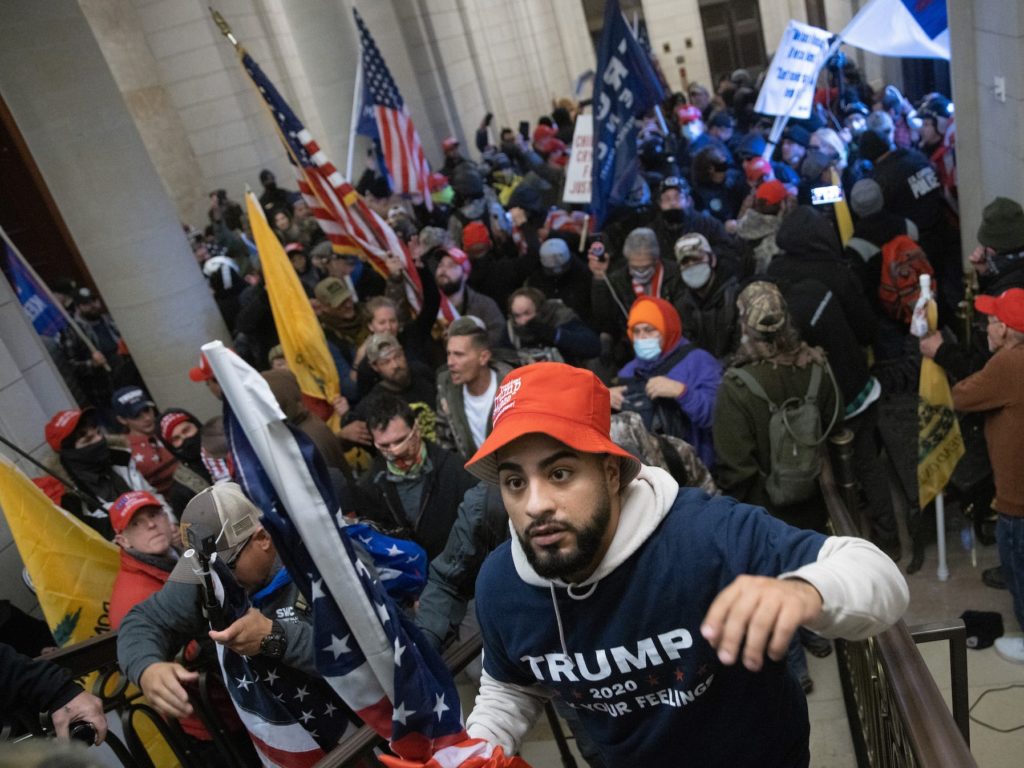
(701,373)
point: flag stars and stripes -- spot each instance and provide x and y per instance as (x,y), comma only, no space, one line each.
(306,716)
(244,682)
(316,588)
(331,709)
(399,650)
(394,551)
(271,677)
(382,611)
(439,706)
(338,646)
(301,693)
(400,713)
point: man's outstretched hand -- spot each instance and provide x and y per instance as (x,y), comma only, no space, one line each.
(758,614)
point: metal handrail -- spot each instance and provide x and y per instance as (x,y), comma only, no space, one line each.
(900,718)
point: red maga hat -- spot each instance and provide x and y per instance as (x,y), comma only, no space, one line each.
(566,403)
(127,504)
(1008,307)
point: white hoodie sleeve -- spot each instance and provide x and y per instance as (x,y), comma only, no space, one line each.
(862,590)
(504,712)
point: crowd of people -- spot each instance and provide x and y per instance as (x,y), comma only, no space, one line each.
(719,328)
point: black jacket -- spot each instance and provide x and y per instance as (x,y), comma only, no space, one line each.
(32,686)
(811,250)
(447,482)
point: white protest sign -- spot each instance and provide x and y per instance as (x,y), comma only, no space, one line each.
(788,87)
(580,171)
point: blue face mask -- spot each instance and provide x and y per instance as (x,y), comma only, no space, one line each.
(647,349)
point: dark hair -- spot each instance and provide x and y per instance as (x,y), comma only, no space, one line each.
(382,407)
(466,326)
(533,294)
(703,162)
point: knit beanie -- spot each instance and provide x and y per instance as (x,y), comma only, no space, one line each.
(661,315)
(1002,226)
(866,197)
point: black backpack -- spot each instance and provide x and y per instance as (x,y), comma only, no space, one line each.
(662,415)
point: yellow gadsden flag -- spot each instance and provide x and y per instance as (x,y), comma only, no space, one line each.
(302,338)
(940,444)
(71,566)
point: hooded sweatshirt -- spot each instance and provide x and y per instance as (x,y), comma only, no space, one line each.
(624,647)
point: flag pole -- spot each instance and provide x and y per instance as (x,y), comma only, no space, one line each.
(46,289)
(354,122)
(940,536)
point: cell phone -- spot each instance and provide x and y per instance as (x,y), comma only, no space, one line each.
(598,251)
(524,129)
(833,193)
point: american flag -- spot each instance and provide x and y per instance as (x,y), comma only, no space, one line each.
(342,214)
(366,648)
(293,718)
(394,131)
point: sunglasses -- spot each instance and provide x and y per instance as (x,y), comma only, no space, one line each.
(233,562)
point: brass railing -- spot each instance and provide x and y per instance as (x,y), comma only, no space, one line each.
(897,715)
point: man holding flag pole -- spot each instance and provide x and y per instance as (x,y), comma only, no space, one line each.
(366,649)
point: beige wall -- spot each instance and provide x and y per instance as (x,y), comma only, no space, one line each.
(987,37)
(88,149)
(31,391)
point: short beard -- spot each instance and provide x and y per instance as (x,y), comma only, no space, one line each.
(554,564)
(450,289)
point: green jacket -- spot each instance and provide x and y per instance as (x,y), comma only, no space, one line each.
(741,434)
(453,430)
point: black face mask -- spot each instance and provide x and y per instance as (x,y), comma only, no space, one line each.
(673,215)
(95,456)
(189,450)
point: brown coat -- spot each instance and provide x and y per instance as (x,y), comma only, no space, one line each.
(998,390)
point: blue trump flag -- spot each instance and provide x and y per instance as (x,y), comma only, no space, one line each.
(625,87)
(46,317)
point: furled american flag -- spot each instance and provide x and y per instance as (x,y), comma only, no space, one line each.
(393,129)
(342,214)
(366,649)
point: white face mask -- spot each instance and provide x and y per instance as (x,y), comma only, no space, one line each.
(697,276)
(647,349)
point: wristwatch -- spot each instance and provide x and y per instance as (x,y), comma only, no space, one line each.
(273,645)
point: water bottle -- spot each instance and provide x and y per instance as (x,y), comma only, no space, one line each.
(919,319)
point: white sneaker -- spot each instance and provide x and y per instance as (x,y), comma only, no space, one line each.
(1011,648)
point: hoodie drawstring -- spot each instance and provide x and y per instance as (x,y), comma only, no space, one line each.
(558,615)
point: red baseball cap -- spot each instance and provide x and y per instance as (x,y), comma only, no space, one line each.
(437,181)
(127,504)
(459,257)
(203,371)
(757,168)
(772,192)
(564,402)
(687,113)
(62,426)
(1008,307)
(475,233)
(449,143)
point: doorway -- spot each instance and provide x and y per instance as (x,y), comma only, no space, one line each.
(733,35)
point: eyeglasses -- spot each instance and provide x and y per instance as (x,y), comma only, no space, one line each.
(233,562)
(396,447)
